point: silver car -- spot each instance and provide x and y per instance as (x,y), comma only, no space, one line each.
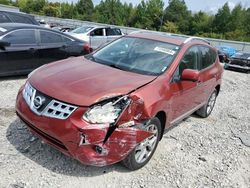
(96,35)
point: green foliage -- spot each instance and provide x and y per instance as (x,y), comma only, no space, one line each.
(84,9)
(178,13)
(170,27)
(5,2)
(149,14)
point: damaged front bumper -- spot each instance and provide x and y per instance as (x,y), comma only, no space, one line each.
(91,144)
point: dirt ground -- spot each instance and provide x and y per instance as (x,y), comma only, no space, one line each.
(199,152)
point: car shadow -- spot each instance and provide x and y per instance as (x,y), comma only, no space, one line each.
(22,139)
(5,78)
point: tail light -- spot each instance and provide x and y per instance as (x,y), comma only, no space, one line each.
(87,48)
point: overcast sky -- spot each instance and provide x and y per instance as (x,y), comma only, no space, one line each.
(196,5)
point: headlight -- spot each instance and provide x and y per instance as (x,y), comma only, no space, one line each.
(107,111)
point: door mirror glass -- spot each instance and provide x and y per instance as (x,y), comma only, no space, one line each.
(190,75)
(4,44)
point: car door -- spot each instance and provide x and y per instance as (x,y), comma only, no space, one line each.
(185,94)
(208,71)
(97,38)
(112,34)
(22,54)
(52,47)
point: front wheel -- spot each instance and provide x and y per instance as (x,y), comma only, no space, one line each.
(143,152)
(206,110)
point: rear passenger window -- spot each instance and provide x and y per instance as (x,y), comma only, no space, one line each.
(21,37)
(50,37)
(19,19)
(190,59)
(4,19)
(112,31)
(208,57)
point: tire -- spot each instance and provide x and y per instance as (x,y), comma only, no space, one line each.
(206,110)
(138,158)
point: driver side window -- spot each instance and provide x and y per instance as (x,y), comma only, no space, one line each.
(190,60)
(97,32)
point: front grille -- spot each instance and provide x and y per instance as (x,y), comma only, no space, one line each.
(46,106)
(58,110)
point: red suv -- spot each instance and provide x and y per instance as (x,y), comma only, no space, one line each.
(115,104)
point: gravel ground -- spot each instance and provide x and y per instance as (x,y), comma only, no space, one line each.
(197,153)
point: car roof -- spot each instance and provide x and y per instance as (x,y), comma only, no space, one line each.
(14,12)
(13,26)
(167,37)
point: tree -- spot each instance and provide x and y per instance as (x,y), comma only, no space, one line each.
(201,23)
(221,19)
(85,9)
(5,2)
(52,10)
(236,18)
(67,10)
(110,12)
(149,14)
(170,27)
(178,13)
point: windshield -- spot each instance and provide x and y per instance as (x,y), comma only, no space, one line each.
(137,55)
(83,29)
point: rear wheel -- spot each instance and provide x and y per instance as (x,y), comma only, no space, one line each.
(143,152)
(206,110)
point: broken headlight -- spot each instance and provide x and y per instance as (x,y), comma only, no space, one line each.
(107,111)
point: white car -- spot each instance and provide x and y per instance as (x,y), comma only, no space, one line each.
(96,36)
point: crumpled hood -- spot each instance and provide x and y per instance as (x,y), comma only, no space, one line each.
(82,82)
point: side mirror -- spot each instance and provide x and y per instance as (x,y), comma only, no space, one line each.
(92,34)
(4,44)
(190,75)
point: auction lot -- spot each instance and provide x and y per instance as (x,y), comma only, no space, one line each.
(197,153)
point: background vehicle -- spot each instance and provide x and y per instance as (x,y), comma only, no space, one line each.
(115,103)
(239,61)
(17,17)
(64,28)
(96,36)
(44,24)
(225,52)
(25,47)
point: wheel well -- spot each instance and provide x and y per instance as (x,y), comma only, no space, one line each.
(162,117)
(218,89)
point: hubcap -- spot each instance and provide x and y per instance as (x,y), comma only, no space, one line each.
(145,148)
(211,102)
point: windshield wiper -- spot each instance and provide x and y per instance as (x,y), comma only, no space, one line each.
(117,67)
(90,57)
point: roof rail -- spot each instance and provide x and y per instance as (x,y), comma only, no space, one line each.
(195,38)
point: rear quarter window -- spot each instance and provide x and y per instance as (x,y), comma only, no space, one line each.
(50,37)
